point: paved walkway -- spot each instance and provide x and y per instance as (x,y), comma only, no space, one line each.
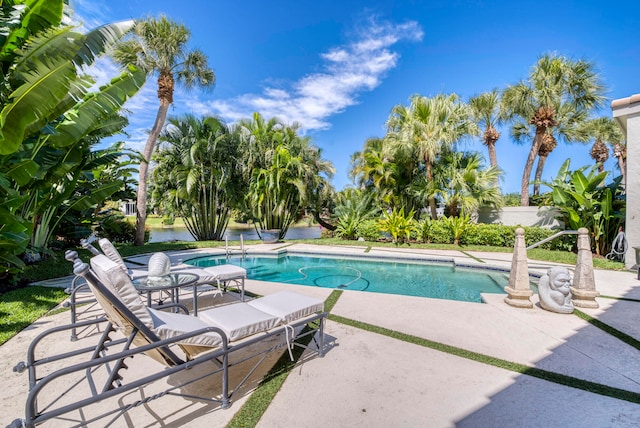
(371,380)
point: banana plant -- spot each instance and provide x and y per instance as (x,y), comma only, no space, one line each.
(585,201)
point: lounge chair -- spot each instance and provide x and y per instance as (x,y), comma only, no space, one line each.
(215,336)
(221,276)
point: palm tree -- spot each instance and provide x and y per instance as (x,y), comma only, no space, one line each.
(464,183)
(604,130)
(159,46)
(200,169)
(281,167)
(486,110)
(620,153)
(555,98)
(427,126)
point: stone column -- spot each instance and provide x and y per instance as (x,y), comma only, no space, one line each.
(584,284)
(518,289)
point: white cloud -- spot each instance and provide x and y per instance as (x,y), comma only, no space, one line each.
(349,70)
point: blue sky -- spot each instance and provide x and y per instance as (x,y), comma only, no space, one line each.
(338,67)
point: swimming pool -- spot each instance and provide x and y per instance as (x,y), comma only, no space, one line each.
(409,278)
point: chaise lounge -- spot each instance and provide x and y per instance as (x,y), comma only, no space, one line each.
(178,341)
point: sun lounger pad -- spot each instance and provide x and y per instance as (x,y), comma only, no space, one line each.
(288,306)
(168,325)
(239,320)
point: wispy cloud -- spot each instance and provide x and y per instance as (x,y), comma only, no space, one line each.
(349,71)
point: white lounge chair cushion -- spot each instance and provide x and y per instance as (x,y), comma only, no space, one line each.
(239,320)
(288,306)
(168,325)
(112,276)
(110,251)
(227,272)
(204,276)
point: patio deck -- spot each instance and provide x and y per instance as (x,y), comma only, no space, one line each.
(371,379)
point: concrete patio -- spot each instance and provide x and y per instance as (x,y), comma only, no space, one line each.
(369,379)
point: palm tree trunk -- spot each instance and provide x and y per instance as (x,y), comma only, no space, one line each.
(541,161)
(141,204)
(623,171)
(526,175)
(493,159)
(432,199)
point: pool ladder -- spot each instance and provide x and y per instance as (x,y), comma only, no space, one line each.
(229,251)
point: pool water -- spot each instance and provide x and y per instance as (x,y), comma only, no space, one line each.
(436,280)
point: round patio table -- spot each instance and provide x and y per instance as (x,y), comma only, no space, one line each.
(169,284)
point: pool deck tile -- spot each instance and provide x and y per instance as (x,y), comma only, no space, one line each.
(372,380)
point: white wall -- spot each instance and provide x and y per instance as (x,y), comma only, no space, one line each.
(520,216)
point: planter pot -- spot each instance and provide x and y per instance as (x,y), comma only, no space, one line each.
(269,236)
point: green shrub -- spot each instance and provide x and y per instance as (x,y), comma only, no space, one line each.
(369,230)
(496,235)
(168,220)
(439,233)
(116,228)
(398,225)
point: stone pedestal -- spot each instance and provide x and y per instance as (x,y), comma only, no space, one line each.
(584,285)
(518,290)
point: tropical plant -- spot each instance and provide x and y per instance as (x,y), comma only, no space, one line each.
(426,127)
(620,153)
(554,100)
(487,112)
(49,121)
(457,226)
(159,46)
(286,173)
(604,131)
(464,184)
(198,173)
(353,208)
(584,201)
(398,225)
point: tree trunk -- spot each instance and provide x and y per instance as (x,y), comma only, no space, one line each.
(323,223)
(541,161)
(526,175)
(623,171)
(493,159)
(432,199)
(141,204)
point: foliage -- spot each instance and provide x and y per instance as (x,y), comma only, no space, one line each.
(369,230)
(48,123)
(198,174)
(353,207)
(159,47)
(511,199)
(398,225)
(553,102)
(585,201)
(116,228)
(457,226)
(284,171)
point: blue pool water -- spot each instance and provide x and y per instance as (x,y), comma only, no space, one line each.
(436,280)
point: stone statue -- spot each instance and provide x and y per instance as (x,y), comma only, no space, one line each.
(554,290)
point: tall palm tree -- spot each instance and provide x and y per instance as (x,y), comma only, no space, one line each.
(604,130)
(555,98)
(159,46)
(487,112)
(427,126)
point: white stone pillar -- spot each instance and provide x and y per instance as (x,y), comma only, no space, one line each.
(518,289)
(584,284)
